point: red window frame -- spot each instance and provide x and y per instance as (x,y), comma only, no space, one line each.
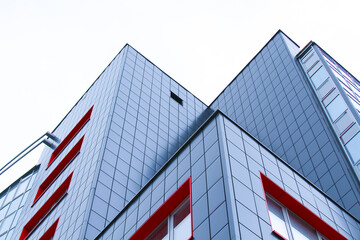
(51,231)
(70,136)
(299,209)
(183,192)
(58,170)
(45,210)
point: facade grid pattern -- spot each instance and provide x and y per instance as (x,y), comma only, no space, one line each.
(147,135)
(202,158)
(276,105)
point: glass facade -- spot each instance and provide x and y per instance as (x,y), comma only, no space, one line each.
(228,199)
(137,136)
(349,83)
(280,105)
(12,201)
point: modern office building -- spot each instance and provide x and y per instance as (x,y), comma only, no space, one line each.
(304,106)
(274,156)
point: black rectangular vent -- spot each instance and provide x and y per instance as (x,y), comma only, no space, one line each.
(176,98)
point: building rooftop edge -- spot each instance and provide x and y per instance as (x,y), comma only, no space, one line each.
(277,33)
(200,128)
(34,168)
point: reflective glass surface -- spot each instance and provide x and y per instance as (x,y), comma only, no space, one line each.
(275,103)
(319,77)
(301,230)
(353,147)
(336,107)
(277,218)
(350,85)
(11,208)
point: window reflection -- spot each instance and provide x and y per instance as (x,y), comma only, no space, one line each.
(277,218)
(176,227)
(353,148)
(319,77)
(336,107)
(288,225)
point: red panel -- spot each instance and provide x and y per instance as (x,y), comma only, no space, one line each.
(59,169)
(50,232)
(164,211)
(48,206)
(70,136)
(300,210)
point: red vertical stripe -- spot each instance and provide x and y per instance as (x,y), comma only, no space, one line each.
(50,232)
(70,136)
(59,169)
(48,206)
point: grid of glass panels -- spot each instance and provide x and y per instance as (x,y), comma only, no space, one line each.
(200,159)
(74,207)
(147,126)
(219,149)
(12,201)
(246,158)
(350,84)
(273,101)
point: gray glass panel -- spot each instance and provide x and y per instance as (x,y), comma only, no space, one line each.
(10,195)
(353,148)
(22,187)
(319,77)
(336,108)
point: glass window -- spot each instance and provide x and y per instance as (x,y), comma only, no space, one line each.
(182,222)
(176,227)
(22,187)
(3,211)
(161,233)
(336,107)
(10,195)
(301,230)
(6,224)
(319,77)
(14,205)
(288,225)
(277,218)
(353,148)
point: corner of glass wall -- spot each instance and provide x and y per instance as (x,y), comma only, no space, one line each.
(339,95)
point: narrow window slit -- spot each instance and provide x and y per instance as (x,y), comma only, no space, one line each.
(176,98)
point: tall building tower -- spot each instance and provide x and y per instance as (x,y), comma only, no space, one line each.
(115,138)
(140,157)
(304,106)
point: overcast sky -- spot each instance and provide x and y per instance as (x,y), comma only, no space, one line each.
(52,50)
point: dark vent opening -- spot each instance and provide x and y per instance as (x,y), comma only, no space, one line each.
(176,98)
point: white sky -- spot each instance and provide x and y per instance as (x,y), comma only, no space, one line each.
(52,51)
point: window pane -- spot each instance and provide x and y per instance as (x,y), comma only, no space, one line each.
(6,224)
(353,148)
(182,213)
(183,229)
(319,77)
(10,195)
(2,198)
(300,229)
(336,108)
(22,187)
(14,205)
(277,218)
(161,233)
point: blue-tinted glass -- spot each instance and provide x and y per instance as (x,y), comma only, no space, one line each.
(353,147)
(336,107)
(319,77)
